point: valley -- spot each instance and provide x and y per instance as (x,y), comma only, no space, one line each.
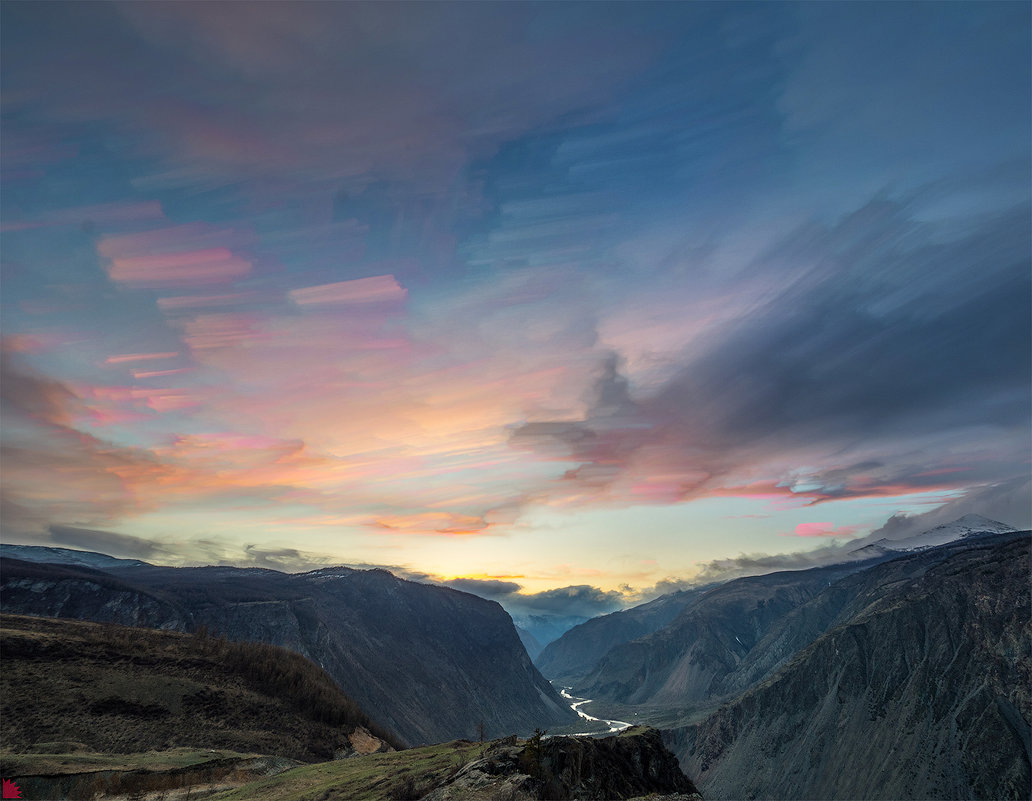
(923,653)
(260,684)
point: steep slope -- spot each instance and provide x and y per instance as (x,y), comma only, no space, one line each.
(113,689)
(575,653)
(836,605)
(529,642)
(690,659)
(924,692)
(430,663)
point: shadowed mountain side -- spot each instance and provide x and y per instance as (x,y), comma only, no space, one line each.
(838,604)
(430,663)
(84,593)
(577,651)
(923,693)
(114,689)
(529,642)
(688,660)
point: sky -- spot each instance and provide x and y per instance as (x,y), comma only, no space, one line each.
(567,303)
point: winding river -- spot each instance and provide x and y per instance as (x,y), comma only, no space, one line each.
(575,702)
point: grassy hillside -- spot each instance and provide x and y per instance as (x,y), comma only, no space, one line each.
(631,765)
(115,689)
(379,777)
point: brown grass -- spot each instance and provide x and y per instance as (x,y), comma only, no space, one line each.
(116,689)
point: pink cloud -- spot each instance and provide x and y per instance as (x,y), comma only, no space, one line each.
(28,343)
(433,523)
(108,402)
(213,266)
(823,530)
(140,357)
(204,301)
(222,331)
(377,289)
(156,373)
(173,239)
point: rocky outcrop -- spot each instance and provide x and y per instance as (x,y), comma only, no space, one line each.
(921,690)
(361,742)
(429,663)
(632,764)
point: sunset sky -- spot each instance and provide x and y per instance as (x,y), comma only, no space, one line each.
(594,296)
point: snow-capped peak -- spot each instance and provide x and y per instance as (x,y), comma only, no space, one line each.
(961,528)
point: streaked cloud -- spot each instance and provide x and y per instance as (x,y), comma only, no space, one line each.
(486,288)
(214,266)
(140,357)
(377,289)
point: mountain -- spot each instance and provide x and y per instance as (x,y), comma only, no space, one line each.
(736,634)
(920,688)
(693,659)
(84,593)
(545,628)
(529,642)
(65,556)
(429,663)
(113,689)
(577,651)
(961,528)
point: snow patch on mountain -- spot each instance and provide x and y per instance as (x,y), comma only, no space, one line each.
(961,528)
(65,556)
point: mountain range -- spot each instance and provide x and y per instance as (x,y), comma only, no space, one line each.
(904,671)
(428,663)
(904,674)
(919,686)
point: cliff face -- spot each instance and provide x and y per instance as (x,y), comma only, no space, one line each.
(921,690)
(427,662)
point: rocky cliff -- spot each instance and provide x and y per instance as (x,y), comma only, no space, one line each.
(920,689)
(632,764)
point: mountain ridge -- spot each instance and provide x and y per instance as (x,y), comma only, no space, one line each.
(430,662)
(952,709)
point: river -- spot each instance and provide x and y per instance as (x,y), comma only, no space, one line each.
(614,725)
